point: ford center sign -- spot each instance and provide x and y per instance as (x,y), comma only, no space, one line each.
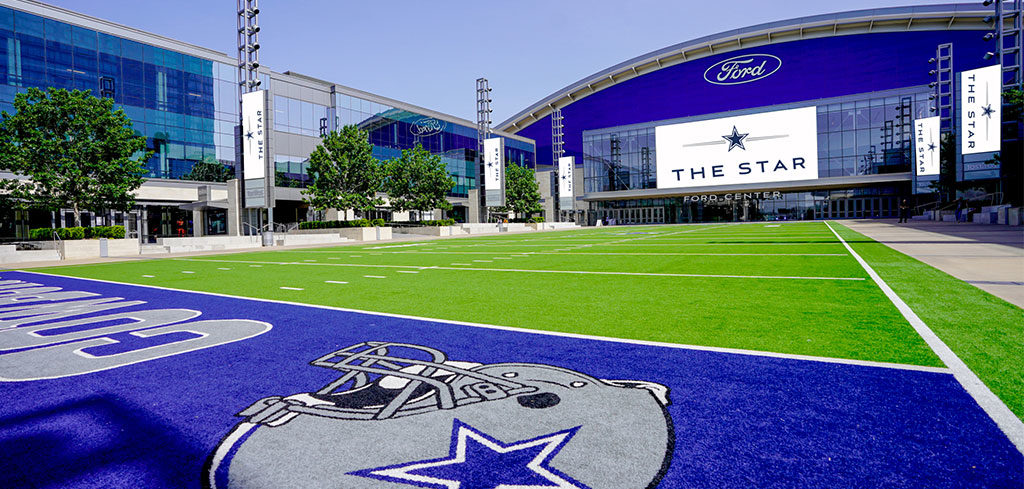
(742,69)
(776,146)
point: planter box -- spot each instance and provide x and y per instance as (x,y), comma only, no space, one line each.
(209,243)
(434,230)
(122,247)
(308,239)
(28,256)
(365,234)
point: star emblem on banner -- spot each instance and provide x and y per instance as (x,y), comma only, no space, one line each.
(248,135)
(735,139)
(478,461)
(931,146)
(987,111)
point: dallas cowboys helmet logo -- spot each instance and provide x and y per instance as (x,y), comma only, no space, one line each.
(404,415)
(735,139)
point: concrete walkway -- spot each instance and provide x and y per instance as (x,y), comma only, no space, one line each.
(988,257)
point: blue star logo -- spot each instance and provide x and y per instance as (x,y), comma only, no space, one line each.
(735,139)
(987,111)
(478,461)
(248,135)
(931,146)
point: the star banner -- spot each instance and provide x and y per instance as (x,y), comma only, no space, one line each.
(773,146)
(566,192)
(494,172)
(254,110)
(926,146)
(980,107)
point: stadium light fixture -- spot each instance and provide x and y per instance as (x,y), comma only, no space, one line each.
(989,55)
(990,36)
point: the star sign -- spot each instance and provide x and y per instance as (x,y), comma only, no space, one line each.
(477,461)
(735,139)
(987,111)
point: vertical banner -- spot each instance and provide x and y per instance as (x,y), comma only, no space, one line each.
(494,172)
(926,146)
(566,193)
(254,157)
(980,107)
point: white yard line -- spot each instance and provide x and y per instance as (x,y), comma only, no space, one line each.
(1011,425)
(445,322)
(408,271)
(374,276)
(290,288)
(570,272)
(334,282)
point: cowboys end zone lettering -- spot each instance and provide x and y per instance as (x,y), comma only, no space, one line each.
(742,69)
(765,147)
(49,332)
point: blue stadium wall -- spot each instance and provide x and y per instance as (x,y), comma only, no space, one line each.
(811,69)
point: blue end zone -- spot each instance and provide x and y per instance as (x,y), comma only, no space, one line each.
(734,420)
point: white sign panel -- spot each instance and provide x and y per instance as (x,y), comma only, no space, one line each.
(566,193)
(926,146)
(494,172)
(254,134)
(774,146)
(980,107)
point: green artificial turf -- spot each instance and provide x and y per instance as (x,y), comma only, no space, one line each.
(830,318)
(986,332)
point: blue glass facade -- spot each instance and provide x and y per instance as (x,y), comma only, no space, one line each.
(864,134)
(811,69)
(185,106)
(391,130)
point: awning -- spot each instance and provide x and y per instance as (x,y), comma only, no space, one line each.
(204,205)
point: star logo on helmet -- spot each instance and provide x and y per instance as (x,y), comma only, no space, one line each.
(735,139)
(478,461)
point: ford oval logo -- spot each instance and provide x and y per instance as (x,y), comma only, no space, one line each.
(742,69)
(426,126)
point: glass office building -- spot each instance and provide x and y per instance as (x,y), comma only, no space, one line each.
(391,129)
(184,100)
(185,106)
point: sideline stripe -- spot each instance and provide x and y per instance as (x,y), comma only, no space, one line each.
(1011,425)
(444,322)
(521,270)
(614,253)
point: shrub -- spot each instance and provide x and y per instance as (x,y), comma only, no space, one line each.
(46,234)
(40,234)
(358,223)
(111,232)
(439,222)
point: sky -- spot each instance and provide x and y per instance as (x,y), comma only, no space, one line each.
(430,53)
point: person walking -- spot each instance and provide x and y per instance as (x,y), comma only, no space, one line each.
(904,211)
(959,210)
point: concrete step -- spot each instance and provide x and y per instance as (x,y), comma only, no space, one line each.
(29,255)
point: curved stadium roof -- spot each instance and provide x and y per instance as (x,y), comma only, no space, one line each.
(893,19)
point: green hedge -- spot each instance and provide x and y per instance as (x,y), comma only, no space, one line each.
(528,219)
(95,232)
(439,222)
(358,223)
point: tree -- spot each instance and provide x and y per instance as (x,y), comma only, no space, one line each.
(209,171)
(343,172)
(77,151)
(418,180)
(522,194)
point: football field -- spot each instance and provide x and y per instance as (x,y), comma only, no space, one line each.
(791,353)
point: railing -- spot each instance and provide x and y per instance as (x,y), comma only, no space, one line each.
(57,244)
